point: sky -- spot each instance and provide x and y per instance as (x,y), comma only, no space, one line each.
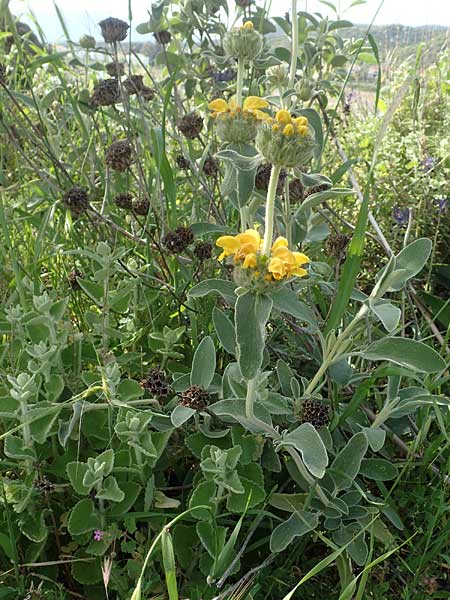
(82,16)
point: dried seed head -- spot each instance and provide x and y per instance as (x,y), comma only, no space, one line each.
(114,30)
(134,84)
(296,191)
(203,250)
(106,93)
(44,484)
(119,156)
(141,206)
(243,3)
(76,199)
(115,69)
(182,162)
(263,177)
(315,189)
(316,413)
(156,383)
(195,397)
(73,277)
(87,42)
(177,241)
(147,93)
(124,200)
(210,167)
(191,125)
(336,244)
(163,37)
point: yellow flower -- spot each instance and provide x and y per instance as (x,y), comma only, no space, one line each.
(247,25)
(243,246)
(283,117)
(289,130)
(302,130)
(280,242)
(300,121)
(252,105)
(275,128)
(249,261)
(277,268)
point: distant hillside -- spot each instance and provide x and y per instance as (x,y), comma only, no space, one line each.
(404,40)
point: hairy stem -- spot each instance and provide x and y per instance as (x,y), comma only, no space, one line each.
(240,82)
(270,209)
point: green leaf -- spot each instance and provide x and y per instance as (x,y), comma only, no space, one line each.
(34,527)
(106,457)
(83,518)
(94,290)
(406,353)
(347,463)
(308,442)
(131,491)
(378,469)
(181,414)
(15,448)
(110,490)
(286,301)
(252,479)
(215,286)
(252,314)
(204,364)
(76,472)
(387,313)
(375,436)
(410,261)
(213,538)
(298,524)
(225,330)
(203,495)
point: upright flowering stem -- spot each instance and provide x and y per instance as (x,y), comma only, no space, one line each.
(240,82)
(270,209)
(294,46)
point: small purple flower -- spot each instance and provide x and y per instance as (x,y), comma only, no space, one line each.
(98,535)
(442,204)
(428,164)
(225,76)
(400,215)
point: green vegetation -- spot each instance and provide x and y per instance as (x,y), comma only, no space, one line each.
(225,317)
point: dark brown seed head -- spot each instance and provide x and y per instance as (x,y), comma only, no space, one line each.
(43,484)
(119,156)
(147,93)
(163,37)
(141,207)
(73,277)
(203,250)
(262,178)
(210,167)
(316,413)
(124,200)
(191,125)
(315,189)
(296,191)
(156,383)
(76,199)
(336,244)
(177,241)
(106,93)
(182,162)
(115,69)
(134,84)
(195,397)
(114,30)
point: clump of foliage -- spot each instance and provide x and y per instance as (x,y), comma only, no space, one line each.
(196,399)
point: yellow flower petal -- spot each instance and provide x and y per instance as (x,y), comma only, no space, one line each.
(259,114)
(302,130)
(299,121)
(277,268)
(283,117)
(300,272)
(275,128)
(289,130)
(250,261)
(280,242)
(247,25)
(218,105)
(253,102)
(250,236)
(229,244)
(300,258)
